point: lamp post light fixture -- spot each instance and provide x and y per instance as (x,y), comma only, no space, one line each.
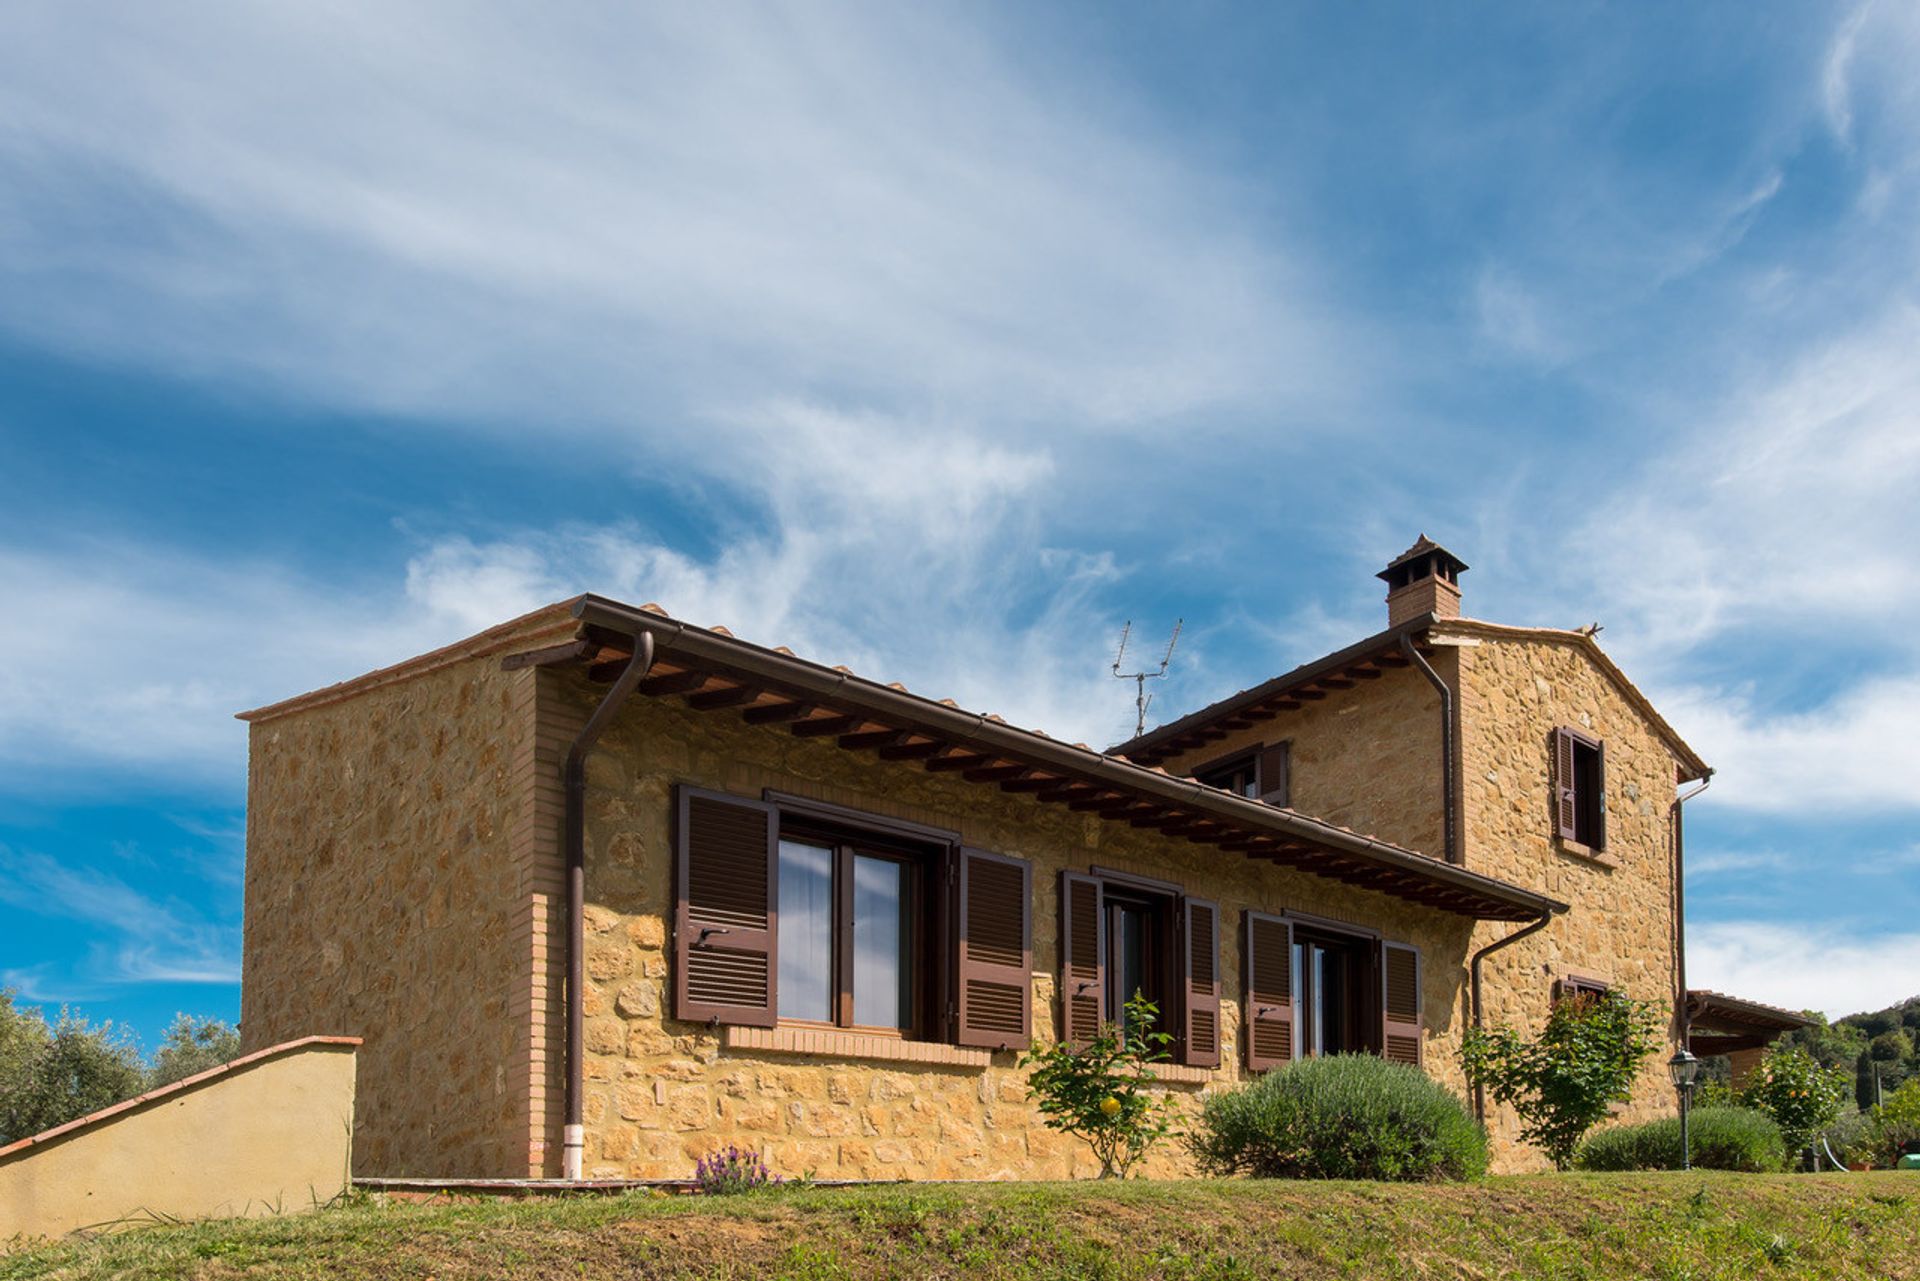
(1685,1071)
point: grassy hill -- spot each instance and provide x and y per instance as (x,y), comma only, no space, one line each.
(1672,1226)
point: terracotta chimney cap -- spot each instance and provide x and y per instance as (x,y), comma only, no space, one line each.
(1424,579)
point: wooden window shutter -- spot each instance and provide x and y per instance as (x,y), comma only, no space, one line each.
(1400,1038)
(1200,956)
(994,961)
(1267,952)
(1083,959)
(1275,769)
(726,904)
(1598,800)
(1566,800)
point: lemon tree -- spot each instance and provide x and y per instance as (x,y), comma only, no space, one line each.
(1101,1091)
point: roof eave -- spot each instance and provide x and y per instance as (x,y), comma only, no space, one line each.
(1303,675)
(804,676)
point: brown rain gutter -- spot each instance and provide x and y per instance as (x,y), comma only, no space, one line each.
(1684,1015)
(1447,801)
(574,1136)
(1479,1015)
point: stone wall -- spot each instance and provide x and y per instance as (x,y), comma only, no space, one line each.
(661,1093)
(1367,758)
(384,901)
(1620,929)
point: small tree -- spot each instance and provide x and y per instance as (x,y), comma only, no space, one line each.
(1562,1084)
(192,1046)
(1099,1091)
(1802,1097)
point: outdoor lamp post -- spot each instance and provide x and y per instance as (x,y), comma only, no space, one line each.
(1685,1070)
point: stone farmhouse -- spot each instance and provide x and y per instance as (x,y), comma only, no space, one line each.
(603,891)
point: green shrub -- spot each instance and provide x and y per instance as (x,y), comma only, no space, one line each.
(1895,1124)
(1799,1094)
(1722,1138)
(1349,1116)
(1562,1085)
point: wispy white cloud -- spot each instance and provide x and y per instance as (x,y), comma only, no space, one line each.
(1720,863)
(149,938)
(1837,968)
(647,221)
(1854,753)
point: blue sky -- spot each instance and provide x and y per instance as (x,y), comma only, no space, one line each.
(939,342)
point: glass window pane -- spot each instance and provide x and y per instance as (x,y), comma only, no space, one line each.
(882,944)
(806,931)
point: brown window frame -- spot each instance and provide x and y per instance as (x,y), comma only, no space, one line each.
(1266,770)
(1361,998)
(1240,765)
(848,841)
(1579,762)
(971,915)
(1572,987)
(1183,961)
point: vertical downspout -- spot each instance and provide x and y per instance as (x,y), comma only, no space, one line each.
(1451,818)
(1680,912)
(574,1137)
(1479,1018)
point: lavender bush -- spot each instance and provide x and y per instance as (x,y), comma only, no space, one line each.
(731,1172)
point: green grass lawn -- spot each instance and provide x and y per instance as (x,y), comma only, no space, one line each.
(1555,1226)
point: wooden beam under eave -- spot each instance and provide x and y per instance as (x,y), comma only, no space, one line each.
(1155,816)
(715,699)
(570,652)
(874,738)
(820,727)
(1069,794)
(913,751)
(1334,682)
(964,760)
(1039,784)
(997,773)
(683,682)
(1104,804)
(777,713)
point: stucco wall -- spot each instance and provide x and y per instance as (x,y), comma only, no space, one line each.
(268,1137)
(661,1093)
(1367,758)
(1620,927)
(384,900)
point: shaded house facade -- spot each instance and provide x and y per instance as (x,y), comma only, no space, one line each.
(602,890)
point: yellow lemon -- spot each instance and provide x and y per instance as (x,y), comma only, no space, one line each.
(1109,1106)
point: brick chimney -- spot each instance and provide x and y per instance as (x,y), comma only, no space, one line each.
(1424,579)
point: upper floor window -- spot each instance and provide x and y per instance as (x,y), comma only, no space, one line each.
(1579,788)
(1262,774)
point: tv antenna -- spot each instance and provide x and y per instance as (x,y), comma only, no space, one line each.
(1141,699)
